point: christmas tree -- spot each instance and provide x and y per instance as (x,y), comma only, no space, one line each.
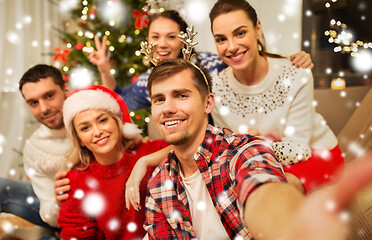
(123,22)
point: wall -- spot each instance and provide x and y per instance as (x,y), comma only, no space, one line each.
(337,106)
(26,38)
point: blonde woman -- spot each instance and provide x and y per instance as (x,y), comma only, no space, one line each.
(99,124)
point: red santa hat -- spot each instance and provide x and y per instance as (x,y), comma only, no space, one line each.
(98,97)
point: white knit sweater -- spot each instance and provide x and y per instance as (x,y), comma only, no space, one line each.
(44,156)
(281,105)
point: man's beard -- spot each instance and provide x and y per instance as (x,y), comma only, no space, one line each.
(56,124)
(181,139)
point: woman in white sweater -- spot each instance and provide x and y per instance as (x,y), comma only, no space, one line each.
(264,91)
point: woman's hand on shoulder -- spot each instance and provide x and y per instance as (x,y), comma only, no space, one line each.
(302,60)
(132,194)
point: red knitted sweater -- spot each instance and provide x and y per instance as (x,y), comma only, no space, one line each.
(96,209)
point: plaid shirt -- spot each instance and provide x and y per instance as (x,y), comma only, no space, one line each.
(232,167)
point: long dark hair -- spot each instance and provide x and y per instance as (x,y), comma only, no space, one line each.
(172,15)
(226,6)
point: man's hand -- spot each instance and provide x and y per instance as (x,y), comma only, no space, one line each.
(279,211)
(61,186)
(301,60)
(324,215)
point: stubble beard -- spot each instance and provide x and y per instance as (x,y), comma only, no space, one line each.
(57,124)
(181,138)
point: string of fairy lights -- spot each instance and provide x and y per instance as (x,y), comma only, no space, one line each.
(340,35)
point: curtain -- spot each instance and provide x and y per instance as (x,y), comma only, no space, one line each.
(26,38)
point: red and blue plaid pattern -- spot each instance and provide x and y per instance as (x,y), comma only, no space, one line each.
(232,167)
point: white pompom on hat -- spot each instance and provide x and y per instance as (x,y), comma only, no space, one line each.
(98,97)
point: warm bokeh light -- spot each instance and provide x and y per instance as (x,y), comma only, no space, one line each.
(338,84)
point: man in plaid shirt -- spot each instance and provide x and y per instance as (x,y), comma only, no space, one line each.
(216,184)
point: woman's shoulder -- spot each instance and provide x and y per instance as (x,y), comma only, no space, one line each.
(282,62)
(79,172)
(145,74)
(211,61)
(284,69)
(152,146)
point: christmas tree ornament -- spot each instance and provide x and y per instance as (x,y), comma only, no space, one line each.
(61,54)
(154,6)
(79,46)
(142,19)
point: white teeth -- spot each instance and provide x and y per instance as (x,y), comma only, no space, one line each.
(101,140)
(163,53)
(172,122)
(237,57)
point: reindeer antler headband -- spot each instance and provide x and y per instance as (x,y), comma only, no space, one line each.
(187,38)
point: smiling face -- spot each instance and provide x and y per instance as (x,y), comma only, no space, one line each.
(179,111)
(45,100)
(236,39)
(99,132)
(163,32)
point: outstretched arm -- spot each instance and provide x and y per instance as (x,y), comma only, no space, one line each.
(132,196)
(278,210)
(101,60)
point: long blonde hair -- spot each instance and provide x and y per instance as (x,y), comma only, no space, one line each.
(80,156)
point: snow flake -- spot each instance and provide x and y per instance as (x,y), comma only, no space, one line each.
(243,129)
(175,215)
(132,227)
(79,194)
(224,111)
(289,131)
(169,184)
(30,200)
(114,224)
(7,226)
(201,206)
(238,237)
(92,183)
(345,216)
(94,204)
(330,205)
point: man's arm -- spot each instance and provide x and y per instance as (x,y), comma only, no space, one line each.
(269,210)
(156,224)
(43,187)
(278,210)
